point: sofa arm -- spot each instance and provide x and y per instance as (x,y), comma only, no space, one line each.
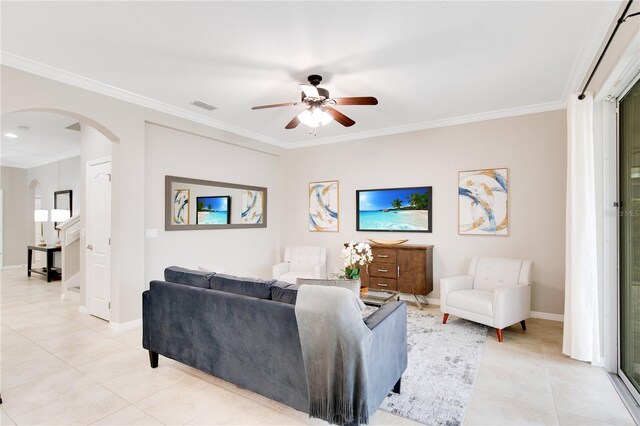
(280,269)
(320,271)
(511,305)
(447,285)
(388,356)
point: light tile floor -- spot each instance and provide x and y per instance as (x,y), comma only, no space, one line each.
(60,366)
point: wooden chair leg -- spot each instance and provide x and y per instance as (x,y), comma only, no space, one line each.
(445,318)
(524,325)
(499,331)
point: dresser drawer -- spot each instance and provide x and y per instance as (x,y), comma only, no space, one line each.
(384,255)
(383,270)
(382,283)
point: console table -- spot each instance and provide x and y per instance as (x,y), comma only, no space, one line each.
(51,272)
(407,268)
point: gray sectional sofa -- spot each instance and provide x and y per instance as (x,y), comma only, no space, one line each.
(244,331)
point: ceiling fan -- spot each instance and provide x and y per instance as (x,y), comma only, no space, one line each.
(320,109)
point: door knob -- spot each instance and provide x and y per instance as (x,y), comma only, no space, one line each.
(89,247)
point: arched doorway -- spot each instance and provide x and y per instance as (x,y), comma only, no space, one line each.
(95,143)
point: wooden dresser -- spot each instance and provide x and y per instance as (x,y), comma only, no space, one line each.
(407,268)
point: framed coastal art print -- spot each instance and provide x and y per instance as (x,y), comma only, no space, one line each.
(181,207)
(483,202)
(324,206)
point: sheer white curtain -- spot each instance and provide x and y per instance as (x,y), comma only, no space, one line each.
(581,338)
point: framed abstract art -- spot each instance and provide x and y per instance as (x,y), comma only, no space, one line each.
(324,206)
(483,202)
(181,207)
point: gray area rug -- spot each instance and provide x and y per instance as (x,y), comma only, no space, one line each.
(443,364)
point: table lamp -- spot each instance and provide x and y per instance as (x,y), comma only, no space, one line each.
(59,215)
(41,216)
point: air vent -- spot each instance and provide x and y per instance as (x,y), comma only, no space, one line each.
(203,105)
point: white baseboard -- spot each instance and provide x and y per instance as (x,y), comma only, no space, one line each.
(129,325)
(83,310)
(547,316)
(13,267)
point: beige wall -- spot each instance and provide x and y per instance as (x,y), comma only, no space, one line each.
(15,220)
(249,252)
(533,147)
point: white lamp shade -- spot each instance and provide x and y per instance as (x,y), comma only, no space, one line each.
(41,215)
(59,215)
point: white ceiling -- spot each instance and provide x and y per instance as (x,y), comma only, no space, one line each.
(428,63)
(46,141)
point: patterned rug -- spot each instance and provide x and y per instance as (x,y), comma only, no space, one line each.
(443,364)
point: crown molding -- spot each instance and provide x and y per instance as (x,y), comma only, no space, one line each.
(446,122)
(57,74)
(66,77)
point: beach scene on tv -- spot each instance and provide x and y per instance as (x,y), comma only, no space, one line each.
(402,209)
(213,210)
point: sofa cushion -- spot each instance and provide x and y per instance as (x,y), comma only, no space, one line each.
(178,275)
(476,301)
(242,285)
(284,292)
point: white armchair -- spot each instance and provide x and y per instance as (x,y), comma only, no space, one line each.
(496,292)
(301,262)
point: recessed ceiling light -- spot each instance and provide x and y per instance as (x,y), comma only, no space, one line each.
(11,135)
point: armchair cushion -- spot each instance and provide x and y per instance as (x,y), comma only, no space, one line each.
(476,301)
(490,273)
(304,258)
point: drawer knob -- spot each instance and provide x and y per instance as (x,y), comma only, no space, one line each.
(383,255)
(383,284)
(382,270)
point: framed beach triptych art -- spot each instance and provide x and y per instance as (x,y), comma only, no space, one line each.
(324,206)
(483,202)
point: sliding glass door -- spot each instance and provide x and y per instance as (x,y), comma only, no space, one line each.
(629,237)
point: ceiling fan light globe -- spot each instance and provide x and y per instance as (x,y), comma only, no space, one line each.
(314,117)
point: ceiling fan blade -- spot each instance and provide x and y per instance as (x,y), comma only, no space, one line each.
(293,123)
(356,100)
(310,91)
(339,117)
(275,105)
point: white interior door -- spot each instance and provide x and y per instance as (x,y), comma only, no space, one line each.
(98,239)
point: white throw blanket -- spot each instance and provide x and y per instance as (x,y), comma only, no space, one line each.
(335,349)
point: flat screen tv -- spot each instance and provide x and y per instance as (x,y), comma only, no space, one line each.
(213,210)
(394,209)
